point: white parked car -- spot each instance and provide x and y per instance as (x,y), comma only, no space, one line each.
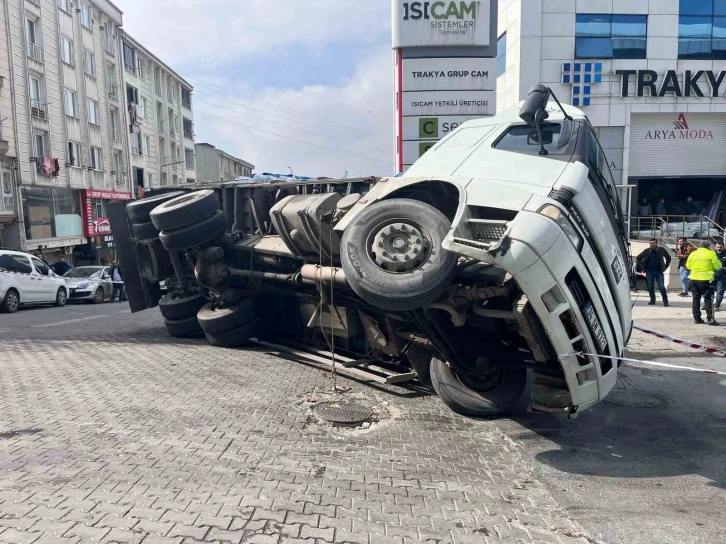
(26,280)
(89,283)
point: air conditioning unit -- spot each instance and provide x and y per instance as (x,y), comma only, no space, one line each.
(67,250)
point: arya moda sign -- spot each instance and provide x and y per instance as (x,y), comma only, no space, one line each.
(681,131)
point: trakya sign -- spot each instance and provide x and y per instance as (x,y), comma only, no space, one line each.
(450,74)
(441,22)
(695,83)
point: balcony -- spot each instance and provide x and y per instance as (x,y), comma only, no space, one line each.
(35,52)
(129,68)
(115,135)
(187,104)
(172,132)
(161,125)
(188,135)
(38,109)
(137,151)
(113,92)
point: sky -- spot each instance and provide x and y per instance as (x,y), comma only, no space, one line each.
(282,84)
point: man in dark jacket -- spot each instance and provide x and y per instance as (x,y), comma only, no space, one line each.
(117,282)
(61,267)
(654,261)
(720,279)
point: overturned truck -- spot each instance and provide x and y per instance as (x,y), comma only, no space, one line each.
(501,251)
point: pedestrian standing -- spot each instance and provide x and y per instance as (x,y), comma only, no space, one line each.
(644,209)
(682,252)
(61,267)
(720,278)
(660,208)
(117,282)
(703,264)
(691,207)
(654,261)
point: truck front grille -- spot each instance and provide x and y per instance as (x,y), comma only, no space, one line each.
(483,230)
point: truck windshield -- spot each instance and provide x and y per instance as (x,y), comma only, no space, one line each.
(524,139)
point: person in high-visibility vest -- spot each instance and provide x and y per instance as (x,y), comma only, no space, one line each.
(703,264)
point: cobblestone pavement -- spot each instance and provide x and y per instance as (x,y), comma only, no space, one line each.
(110,432)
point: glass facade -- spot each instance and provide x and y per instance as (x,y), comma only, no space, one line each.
(51,212)
(702,29)
(611,36)
(502,54)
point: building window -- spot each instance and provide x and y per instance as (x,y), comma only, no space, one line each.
(188,129)
(86,15)
(146,148)
(611,36)
(502,54)
(64,5)
(129,58)
(92,108)
(71,102)
(702,29)
(66,50)
(96,158)
(74,154)
(89,63)
(144,107)
(132,94)
(37,101)
(41,207)
(186,98)
(140,68)
(7,204)
(189,158)
(136,141)
(39,145)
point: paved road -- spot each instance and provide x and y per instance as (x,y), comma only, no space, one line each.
(111,432)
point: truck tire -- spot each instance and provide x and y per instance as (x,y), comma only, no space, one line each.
(183,328)
(233,338)
(139,210)
(392,254)
(497,399)
(185,210)
(195,235)
(220,320)
(181,308)
(144,230)
(154,262)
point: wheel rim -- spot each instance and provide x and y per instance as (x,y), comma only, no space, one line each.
(399,246)
(11,301)
(61,298)
(483,378)
(99,295)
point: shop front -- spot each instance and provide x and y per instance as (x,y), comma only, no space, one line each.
(100,247)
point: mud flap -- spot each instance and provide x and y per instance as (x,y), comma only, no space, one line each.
(141,293)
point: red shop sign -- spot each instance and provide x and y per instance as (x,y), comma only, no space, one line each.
(98,225)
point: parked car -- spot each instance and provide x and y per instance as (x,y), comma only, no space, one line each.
(89,284)
(26,280)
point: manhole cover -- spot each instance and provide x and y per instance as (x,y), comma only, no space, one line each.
(342,412)
(633,399)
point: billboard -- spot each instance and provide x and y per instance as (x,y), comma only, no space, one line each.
(441,23)
(449,74)
(93,226)
(448,102)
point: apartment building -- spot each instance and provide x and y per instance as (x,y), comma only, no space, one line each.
(69,143)
(159,119)
(216,165)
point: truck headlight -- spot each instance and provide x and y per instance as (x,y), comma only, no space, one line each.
(554,213)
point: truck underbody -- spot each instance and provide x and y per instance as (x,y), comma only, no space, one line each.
(248,261)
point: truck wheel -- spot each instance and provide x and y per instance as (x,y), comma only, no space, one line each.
(493,395)
(195,235)
(183,328)
(181,308)
(185,210)
(233,338)
(144,230)
(139,210)
(220,320)
(392,254)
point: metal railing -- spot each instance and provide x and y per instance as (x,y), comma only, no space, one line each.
(170,95)
(159,90)
(172,131)
(161,125)
(136,151)
(186,104)
(190,165)
(113,92)
(667,229)
(115,135)
(129,68)
(35,52)
(38,109)
(188,135)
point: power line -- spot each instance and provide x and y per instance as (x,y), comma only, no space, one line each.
(207,114)
(333,137)
(247,98)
